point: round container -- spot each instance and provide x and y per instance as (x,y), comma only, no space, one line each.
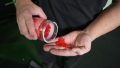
(46,30)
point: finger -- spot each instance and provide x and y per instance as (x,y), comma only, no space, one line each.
(40,12)
(48,47)
(22,27)
(63,52)
(30,26)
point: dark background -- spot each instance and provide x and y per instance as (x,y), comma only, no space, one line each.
(16,51)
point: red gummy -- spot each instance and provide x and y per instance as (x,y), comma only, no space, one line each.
(47,30)
(61,42)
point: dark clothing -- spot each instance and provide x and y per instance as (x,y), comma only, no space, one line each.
(6,11)
(70,15)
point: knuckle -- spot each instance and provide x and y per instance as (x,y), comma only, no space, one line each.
(39,8)
(20,18)
(24,32)
(26,13)
(85,52)
(88,49)
(82,53)
(78,53)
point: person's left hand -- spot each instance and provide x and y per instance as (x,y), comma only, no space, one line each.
(79,42)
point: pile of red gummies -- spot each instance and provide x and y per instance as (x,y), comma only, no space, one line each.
(61,43)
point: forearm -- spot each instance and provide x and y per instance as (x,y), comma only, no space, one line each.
(105,22)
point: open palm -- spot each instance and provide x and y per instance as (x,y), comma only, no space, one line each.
(78,41)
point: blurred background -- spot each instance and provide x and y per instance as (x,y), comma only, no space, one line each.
(17,52)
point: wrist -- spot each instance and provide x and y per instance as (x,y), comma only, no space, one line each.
(89,33)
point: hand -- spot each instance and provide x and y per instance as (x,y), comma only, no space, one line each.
(80,43)
(25,9)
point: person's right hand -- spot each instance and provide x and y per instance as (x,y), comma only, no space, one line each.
(25,9)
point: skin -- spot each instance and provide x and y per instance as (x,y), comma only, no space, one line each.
(25,9)
(80,41)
